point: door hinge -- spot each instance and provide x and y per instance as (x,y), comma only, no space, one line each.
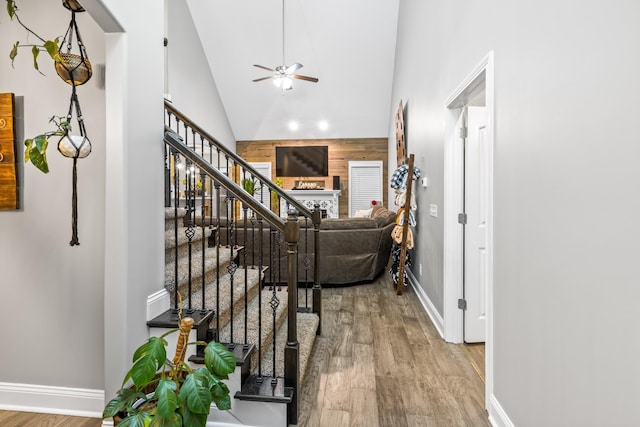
(462,218)
(462,304)
(462,132)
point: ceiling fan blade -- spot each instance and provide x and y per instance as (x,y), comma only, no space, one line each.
(264,68)
(293,68)
(263,78)
(307,78)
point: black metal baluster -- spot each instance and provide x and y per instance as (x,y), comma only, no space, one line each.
(260,230)
(246,280)
(176,202)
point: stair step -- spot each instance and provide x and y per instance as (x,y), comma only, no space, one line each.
(211,259)
(252,315)
(265,389)
(307,327)
(170,319)
(170,214)
(224,305)
(242,355)
(183,241)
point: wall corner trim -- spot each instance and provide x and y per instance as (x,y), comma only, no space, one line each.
(431,310)
(51,400)
(497,415)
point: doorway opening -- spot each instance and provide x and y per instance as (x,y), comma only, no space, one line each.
(468,225)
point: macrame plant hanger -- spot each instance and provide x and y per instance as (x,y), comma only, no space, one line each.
(75,70)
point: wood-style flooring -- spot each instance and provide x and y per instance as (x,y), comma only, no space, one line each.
(379,363)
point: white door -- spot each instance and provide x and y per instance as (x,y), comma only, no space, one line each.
(475,234)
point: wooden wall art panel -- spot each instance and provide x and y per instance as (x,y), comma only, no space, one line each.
(340,152)
(8,177)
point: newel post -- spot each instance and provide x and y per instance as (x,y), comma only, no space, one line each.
(291,350)
(317,287)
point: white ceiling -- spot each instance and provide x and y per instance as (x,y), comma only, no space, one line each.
(348,44)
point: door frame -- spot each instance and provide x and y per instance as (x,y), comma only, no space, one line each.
(481,78)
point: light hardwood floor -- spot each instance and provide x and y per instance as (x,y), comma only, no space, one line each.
(379,363)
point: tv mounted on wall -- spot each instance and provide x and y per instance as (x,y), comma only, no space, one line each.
(302,161)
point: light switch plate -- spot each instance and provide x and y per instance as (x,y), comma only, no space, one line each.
(425,182)
(433,210)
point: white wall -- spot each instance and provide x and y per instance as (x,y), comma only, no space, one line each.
(52,309)
(191,85)
(565,184)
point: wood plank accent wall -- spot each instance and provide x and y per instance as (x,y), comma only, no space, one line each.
(8,179)
(341,151)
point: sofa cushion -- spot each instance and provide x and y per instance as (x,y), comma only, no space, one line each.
(382,215)
(348,224)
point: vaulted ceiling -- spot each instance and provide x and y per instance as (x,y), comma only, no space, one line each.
(349,45)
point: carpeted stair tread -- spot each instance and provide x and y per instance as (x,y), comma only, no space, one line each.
(307,327)
(253,287)
(170,215)
(183,242)
(252,330)
(196,267)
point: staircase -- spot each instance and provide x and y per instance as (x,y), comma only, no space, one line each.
(237,299)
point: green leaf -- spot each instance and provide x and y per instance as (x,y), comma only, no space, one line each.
(195,392)
(154,346)
(125,398)
(138,420)
(28,143)
(218,360)
(167,399)
(175,421)
(39,159)
(223,402)
(143,371)
(11,8)
(52,49)
(41,143)
(14,52)
(35,51)
(192,419)
(220,393)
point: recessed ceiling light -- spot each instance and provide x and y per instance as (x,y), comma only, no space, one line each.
(293,125)
(323,125)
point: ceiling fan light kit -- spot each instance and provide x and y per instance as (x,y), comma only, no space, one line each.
(283,75)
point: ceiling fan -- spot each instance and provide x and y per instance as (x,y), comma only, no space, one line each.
(283,75)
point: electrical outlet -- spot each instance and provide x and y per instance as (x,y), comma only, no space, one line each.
(433,210)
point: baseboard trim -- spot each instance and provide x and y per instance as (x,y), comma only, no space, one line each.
(431,310)
(158,303)
(497,415)
(51,400)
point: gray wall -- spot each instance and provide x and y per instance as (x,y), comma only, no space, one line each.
(566,274)
(52,310)
(191,85)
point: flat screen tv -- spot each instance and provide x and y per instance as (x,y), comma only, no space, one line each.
(302,161)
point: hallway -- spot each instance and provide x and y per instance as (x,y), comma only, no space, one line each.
(380,362)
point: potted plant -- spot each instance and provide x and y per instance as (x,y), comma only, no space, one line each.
(275,198)
(250,185)
(171,393)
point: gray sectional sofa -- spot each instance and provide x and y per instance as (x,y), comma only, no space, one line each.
(352,250)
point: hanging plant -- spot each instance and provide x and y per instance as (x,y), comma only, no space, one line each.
(74,68)
(48,46)
(36,148)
